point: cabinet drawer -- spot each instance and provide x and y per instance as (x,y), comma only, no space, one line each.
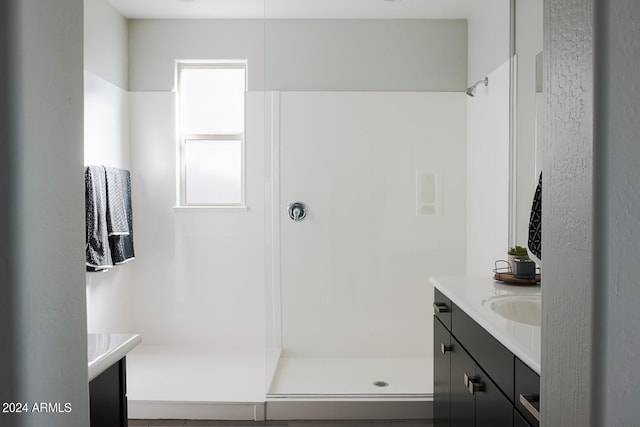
(518,421)
(442,308)
(493,409)
(527,385)
(494,358)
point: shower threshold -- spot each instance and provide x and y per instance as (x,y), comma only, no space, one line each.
(351,388)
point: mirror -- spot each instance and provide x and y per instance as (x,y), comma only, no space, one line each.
(527,140)
(539,113)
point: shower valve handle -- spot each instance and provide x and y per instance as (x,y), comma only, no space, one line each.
(297,211)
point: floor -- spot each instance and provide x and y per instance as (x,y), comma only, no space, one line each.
(305,423)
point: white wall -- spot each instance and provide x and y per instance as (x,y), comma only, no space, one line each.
(199,274)
(488,137)
(488,173)
(355,271)
(43,320)
(106,142)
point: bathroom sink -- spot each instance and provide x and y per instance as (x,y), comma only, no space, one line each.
(519,308)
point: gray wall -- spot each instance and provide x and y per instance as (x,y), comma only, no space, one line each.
(307,55)
(591,227)
(617,204)
(366,55)
(155,45)
(489,27)
(567,280)
(106,44)
(44,341)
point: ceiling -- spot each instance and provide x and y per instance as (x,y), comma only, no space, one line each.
(295,9)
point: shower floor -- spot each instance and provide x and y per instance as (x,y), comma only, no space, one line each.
(165,382)
(311,376)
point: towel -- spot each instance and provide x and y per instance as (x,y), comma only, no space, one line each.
(118,200)
(535,222)
(119,214)
(97,250)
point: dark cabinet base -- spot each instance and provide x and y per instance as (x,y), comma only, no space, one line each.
(108,397)
(474,374)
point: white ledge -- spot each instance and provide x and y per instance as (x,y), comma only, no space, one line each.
(106,349)
(210,208)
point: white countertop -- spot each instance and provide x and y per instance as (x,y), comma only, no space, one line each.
(106,349)
(468,293)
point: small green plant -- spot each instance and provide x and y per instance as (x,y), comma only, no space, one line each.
(518,251)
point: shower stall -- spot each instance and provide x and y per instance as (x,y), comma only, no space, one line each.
(384,210)
(316,292)
(366,178)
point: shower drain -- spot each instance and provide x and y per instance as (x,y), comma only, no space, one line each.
(380,383)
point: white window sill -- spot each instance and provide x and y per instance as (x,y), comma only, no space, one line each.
(210,208)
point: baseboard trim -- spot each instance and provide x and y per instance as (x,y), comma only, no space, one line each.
(196,410)
(310,407)
(349,408)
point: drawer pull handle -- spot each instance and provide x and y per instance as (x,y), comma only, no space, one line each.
(475,386)
(527,401)
(444,348)
(472,384)
(440,307)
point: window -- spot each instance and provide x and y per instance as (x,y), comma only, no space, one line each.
(211,133)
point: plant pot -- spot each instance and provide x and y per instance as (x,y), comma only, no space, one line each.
(525,268)
(513,258)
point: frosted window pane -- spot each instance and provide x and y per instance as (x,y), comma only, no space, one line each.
(212,100)
(213,172)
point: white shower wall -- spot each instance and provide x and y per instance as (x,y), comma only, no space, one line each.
(354,272)
(106,142)
(488,174)
(199,273)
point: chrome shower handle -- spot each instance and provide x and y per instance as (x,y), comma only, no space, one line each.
(297,211)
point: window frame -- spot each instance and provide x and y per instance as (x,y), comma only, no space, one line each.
(183,137)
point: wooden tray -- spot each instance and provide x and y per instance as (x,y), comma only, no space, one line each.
(511,279)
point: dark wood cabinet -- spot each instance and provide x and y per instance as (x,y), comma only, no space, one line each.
(477,381)
(442,308)
(441,374)
(527,393)
(108,397)
(475,399)
(492,406)
(518,421)
(463,403)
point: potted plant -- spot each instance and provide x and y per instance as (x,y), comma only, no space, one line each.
(517,252)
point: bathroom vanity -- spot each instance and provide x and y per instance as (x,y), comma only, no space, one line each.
(486,353)
(107,377)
